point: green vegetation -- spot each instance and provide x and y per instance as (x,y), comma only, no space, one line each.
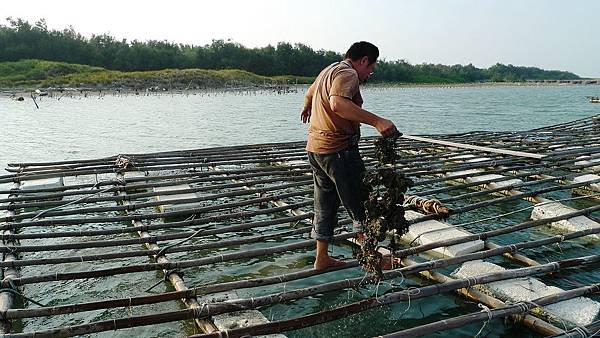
(39,73)
(126,63)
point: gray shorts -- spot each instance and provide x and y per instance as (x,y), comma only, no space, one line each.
(337,178)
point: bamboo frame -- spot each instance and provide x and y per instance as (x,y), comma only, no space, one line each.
(284,179)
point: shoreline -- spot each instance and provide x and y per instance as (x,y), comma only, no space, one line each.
(57,92)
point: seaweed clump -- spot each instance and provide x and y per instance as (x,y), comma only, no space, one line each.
(384,188)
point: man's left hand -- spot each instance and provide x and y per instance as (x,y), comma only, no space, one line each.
(305,115)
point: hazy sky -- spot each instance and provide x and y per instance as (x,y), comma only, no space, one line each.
(550,34)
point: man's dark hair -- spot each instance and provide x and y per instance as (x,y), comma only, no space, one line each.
(362,48)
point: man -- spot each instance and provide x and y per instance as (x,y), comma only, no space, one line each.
(332,105)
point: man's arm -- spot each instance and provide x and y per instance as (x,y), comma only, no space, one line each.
(348,110)
(306,110)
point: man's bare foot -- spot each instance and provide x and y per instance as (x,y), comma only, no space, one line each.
(387,263)
(360,237)
(327,262)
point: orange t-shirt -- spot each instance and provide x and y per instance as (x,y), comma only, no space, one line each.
(328,132)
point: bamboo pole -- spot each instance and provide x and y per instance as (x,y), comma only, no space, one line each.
(199,177)
(514,196)
(513,309)
(583,332)
(186,212)
(411,268)
(121,198)
(164,225)
(418,293)
(153,239)
(21,168)
(149,204)
(491,233)
(172,275)
(8,274)
(306,244)
(469,146)
(132,207)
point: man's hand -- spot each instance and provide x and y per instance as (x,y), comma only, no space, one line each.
(385,127)
(305,115)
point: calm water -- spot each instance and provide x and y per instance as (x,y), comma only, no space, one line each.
(75,128)
(79,128)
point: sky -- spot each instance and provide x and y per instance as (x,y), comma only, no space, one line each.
(550,34)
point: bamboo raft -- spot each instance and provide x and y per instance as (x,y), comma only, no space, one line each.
(226,237)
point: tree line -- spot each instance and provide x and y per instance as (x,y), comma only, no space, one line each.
(20,40)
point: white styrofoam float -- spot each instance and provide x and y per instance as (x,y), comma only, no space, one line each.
(236,319)
(170,198)
(591,189)
(42,183)
(578,311)
(434,231)
(578,223)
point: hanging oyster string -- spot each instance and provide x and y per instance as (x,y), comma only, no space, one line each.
(384,189)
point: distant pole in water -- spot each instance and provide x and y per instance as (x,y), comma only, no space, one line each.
(33,98)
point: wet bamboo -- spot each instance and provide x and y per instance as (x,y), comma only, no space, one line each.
(197,174)
(264,154)
(470,146)
(64,173)
(390,298)
(492,233)
(522,195)
(114,231)
(147,178)
(178,153)
(569,123)
(152,239)
(408,270)
(198,161)
(130,197)
(7,298)
(557,155)
(149,216)
(195,210)
(137,195)
(113,168)
(498,189)
(220,150)
(512,309)
(512,186)
(413,268)
(583,332)
(206,325)
(184,159)
(283,173)
(133,206)
(306,244)
(494,201)
(164,225)
(170,296)
(520,172)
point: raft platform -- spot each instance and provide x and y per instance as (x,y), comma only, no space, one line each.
(215,242)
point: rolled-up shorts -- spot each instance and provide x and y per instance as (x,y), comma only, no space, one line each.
(337,178)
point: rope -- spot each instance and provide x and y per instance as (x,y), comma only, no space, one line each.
(583,332)
(122,163)
(15,291)
(199,231)
(490,317)
(429,206)
(72,202)
(167,274)
(456,226)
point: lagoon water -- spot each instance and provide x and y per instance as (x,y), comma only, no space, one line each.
(80,128)
(74,128)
